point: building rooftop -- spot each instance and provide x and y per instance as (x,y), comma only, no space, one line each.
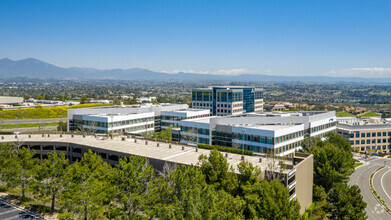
(175,154)
(363,127)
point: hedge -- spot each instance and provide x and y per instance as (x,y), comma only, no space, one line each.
(225,149)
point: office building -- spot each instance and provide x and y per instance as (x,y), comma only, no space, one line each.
(228,100)
(120,119)
(366,134)
(172,118)
(280,133)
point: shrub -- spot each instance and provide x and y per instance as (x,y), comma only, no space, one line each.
(225,149)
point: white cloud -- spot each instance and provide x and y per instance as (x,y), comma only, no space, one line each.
(232,72)
(184,71)
(365,72)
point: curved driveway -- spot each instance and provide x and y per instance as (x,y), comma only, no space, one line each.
(382,184)
(361,178)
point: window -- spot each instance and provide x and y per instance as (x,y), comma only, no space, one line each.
(379,134)
(384,134)
(368,134)
(357,142)
(368,141)
(357,134)
(362,135)
(373,134)
(362,141)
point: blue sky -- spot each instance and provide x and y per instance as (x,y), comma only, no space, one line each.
(334,38)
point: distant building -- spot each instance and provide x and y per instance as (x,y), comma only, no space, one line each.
(366,134)
(10,100)
(228,100)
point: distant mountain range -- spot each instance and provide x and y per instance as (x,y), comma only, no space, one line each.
(33,68)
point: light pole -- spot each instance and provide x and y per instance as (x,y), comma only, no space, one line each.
(243,132)
(196,137)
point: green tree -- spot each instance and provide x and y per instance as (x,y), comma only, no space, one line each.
(270,200)
(166,134)
(51,177)
(22,169)
(132,178)
(248,176)
(6,160)
(331,165)
(345,202)
(62,126)
(87,189)
(338,141)
(83,99)
(218,172)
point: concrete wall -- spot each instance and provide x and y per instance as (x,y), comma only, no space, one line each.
(305,179)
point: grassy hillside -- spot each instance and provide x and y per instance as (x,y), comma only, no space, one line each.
(370,114)
(344,114)
(41,112)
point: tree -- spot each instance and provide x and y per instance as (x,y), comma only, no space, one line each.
(338,141)
(190,136)
(6,157)
(166,134)
(331,165)
(218,172)
(310,142)
(248,175)
(132,178)
(87,188)
(51,177)
(345,202)
(270,201)
(83,99)
(21,169)
(62,126)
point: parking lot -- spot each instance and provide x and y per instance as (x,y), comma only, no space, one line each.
(9,211)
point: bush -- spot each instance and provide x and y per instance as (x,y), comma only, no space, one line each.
(225,149)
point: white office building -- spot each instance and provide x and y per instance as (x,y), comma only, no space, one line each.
(281,133)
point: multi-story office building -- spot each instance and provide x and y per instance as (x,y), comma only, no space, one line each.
(118,123)
(228,100)
(120,118)
(281,133)
(365,137)
(172,118)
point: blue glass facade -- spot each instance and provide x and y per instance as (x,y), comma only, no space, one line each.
(229,94)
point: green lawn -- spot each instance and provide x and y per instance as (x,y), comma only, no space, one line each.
(370,114)
(389,157)
(380,93)
(344,114)
(357,164)
(41,112)
(28,125)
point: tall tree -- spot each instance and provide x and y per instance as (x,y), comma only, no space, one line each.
(132,179)
(218,172)
(22,169)
(345,202)
(88,188)
(331,165)
(270,201)
(51,177)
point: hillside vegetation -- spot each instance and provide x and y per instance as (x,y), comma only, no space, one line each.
(41,112)
(344,114)
(370,114)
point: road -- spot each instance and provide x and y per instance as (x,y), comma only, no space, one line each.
(47,128)
(382,184)
(360,177)
(33,120)
(9,211)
